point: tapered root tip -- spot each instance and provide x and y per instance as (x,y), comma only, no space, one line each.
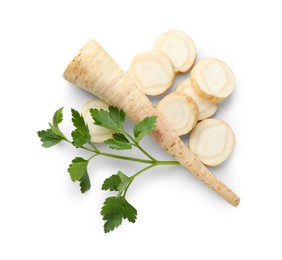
(236,202)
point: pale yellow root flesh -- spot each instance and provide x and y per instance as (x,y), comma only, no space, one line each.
(95,71)
(213,80)
(152,72)
(212,141)
(98,134)
(179,47)
(180,111)
(206,109)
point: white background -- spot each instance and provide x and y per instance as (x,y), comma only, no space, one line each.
(42,213)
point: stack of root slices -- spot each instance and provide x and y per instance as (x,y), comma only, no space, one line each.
(188,109)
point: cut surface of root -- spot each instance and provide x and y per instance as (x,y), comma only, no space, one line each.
(98,134)
(180,111)
(179,47)
(212,141)
(213,80)
(152,72)
(206,109)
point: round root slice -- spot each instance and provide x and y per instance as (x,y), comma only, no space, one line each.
(152,72)
(98,134)
(180,111)
(179,47)
(212,141)
(213,80)
(206,109)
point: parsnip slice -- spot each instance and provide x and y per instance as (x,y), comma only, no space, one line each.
(180,111)
(206,109)
(179,47)
(213,80)
(152,72)
(98,134)
(212,141)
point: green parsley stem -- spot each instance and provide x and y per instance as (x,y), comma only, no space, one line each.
(126,158)
(136,144)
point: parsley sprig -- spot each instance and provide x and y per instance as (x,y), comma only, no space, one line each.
(115,208)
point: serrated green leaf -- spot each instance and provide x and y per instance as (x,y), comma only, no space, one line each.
(117,115)
(120,137)
(81,134)
(56,130)
(103,118)
(112,205)
(124,182)
(129,212)
(58,117)
(85,183)
(112,213)
(79,139)
(114,210)
(123,177)
(112,183)
(78,168)
(144,127)
(49,138)
(52,136)
(113,222)
(118,145)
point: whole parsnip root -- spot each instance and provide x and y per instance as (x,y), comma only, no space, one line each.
(95,71)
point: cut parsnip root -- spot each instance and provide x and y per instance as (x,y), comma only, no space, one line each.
(212,141)
(152,72)
(98,134)
(179,47)
(206,109)
(213,80)
(180,111)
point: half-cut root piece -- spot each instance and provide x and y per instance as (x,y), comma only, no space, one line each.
(212,141)
(152,72)
(206,109)
(213,80)
(98,134)
(180,111)
(179,47)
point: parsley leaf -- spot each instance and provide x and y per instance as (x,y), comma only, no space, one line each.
(77,168)
(120,142)
(120,137)
(114,210)
(85,183)
(117,115)
(53,135)
(112,119)
(81,134)
(112,183)
(124,182)
(49,138)
(118,145)
(129,212)
(58,117)
(144,127)
(112,213)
